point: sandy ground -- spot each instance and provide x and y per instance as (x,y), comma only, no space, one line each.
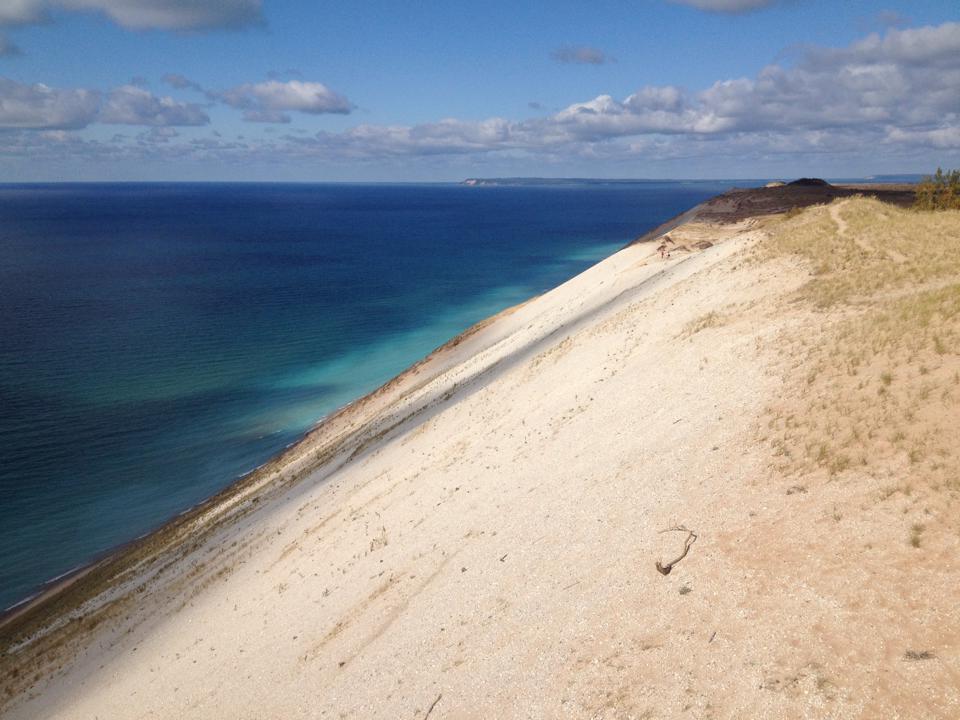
(487,549)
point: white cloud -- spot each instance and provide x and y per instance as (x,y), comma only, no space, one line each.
(726,6)
(173,14)
(899,91)
(21,12)
(928,46)
(42,107)
(907,80)
(941,138)
(270,101)
(580,55)
(132,105)
(142,14)
(664,109)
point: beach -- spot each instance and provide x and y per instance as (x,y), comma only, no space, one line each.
(480,536)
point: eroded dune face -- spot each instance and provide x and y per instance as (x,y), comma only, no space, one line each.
(481,537)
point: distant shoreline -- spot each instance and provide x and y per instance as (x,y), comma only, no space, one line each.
(544,181)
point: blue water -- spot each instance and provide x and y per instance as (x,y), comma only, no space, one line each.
(157,341)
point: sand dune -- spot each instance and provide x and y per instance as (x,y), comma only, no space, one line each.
(479,539)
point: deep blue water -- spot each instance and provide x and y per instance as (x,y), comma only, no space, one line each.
(157,341)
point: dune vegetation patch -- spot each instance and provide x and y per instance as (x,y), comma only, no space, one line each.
(874,378)
(861,247)
(703,322)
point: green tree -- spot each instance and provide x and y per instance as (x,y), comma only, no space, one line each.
(940,191)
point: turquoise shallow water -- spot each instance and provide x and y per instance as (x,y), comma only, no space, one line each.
(157,341)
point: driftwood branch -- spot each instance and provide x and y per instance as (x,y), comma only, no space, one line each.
(665,568)
(432,706)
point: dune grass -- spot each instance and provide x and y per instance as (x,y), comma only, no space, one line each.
(708,320)
(875,379)
(883,248)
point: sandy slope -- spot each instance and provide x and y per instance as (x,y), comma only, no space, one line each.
(487,550)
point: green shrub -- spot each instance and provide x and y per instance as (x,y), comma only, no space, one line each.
(939,192)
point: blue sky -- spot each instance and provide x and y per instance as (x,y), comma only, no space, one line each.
(267,90)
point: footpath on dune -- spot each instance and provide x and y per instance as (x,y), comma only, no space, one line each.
(480,538)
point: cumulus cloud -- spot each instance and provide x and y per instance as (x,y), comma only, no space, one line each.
(444,137)
(897,91)
(906,77)
(132,105)
(726,6)
(898,87)
(173,14)
(580,55)
(941,138)
(270,101)
(42,107)
(931,46)
(22,12)
(142,14)
(664,109)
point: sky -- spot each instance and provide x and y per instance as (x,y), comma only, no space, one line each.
(301,90)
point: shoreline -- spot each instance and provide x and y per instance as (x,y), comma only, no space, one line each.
(57,591)
(54,585)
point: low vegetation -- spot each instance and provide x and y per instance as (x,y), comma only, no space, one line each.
(708,320)
(940,191)
(875,379)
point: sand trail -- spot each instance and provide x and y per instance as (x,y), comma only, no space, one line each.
(836,214)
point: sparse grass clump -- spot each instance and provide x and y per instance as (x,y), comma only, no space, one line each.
(916,534)
(708,320)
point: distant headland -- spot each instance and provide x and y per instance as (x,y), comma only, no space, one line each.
(748,182)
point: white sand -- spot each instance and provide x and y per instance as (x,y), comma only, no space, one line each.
(496,548)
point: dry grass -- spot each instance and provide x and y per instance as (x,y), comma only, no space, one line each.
(916,534)
(876,373)
(858,265)
(708,320)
